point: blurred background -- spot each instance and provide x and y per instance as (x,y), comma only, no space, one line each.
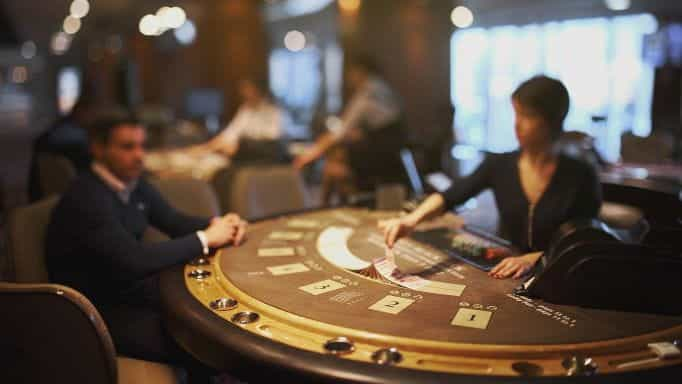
(453,65)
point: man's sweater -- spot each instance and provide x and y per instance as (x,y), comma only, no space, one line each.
(94,241)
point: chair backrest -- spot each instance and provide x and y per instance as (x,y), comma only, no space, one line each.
(191,196)
(52,334)
(260,191)
(26,230)
(55,173)
(626,220)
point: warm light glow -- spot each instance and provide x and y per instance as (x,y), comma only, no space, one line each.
(60,43)
(462,17)
(175,17)
(349,5)
(71,25)
(150,25)
(617,5)
(186,33)
(19,75)
(294,41)
(79,8)
(28,50)
(164,16)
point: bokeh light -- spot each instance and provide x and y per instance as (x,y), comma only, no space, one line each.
(462,17)
(71,25)
(294,41)
(79,8)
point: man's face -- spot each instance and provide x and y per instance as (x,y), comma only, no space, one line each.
(124,153)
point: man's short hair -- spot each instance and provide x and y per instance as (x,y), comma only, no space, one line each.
(547,97)
(104,123)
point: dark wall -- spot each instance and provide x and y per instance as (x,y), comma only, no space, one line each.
(8,35)
(231,44)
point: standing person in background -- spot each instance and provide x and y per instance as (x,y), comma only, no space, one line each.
(371,131)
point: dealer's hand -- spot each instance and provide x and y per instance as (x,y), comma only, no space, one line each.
(515,266)
(395,229)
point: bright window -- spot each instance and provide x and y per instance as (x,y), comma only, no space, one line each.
(599,60)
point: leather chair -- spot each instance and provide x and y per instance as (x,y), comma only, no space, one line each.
(626,220)
(55,173)
(26,234)
(26,230)
(191,196)
(261,191)
(53,334)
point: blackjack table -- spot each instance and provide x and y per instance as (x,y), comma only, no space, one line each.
(316,296)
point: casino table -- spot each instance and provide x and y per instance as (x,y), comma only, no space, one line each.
(316,297)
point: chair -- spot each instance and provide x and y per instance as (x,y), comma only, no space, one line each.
(190,196)
(55,173)
(626,220)
(26,234)
(53,334)
(260,191)
(26,230)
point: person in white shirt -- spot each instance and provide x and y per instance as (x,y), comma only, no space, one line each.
(371,131)
(258,119)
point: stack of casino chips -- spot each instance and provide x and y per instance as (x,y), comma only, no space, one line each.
(473,246)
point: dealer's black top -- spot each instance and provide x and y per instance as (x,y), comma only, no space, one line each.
(573,193)
(94,241)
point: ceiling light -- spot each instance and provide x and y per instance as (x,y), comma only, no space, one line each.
(60,43)
(462,17)
(186,33)
(617,5)
(28,50)
(175,17)
(294,41)
(71,25)
(150,25)
(349,5)
(79,8)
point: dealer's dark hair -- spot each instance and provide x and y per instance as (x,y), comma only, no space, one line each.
(548,98)
(106,121)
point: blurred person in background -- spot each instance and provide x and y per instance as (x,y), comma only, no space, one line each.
(370,131)
(66,137)
(256,130)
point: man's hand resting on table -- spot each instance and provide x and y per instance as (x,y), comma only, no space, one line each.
(228,229)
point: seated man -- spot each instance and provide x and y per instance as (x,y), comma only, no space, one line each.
(94,242)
